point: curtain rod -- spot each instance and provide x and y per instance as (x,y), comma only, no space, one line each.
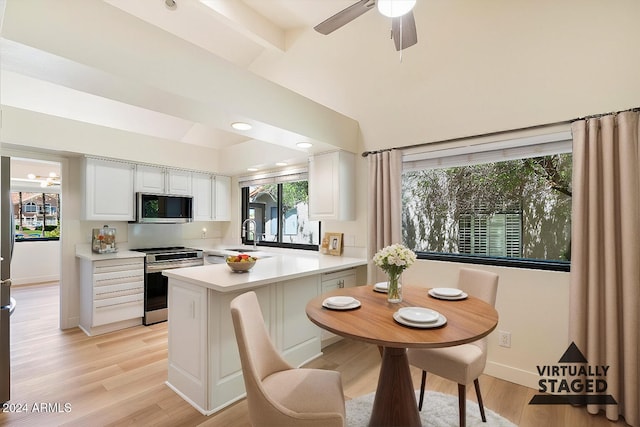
(501,132)
(597,116)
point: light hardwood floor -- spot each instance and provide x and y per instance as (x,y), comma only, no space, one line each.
(118,378)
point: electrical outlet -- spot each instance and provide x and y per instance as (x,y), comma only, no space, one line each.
(504,339)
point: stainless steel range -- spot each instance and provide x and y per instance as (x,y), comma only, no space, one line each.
(156,285)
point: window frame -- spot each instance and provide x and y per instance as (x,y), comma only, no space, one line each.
(279,244)
(443,157)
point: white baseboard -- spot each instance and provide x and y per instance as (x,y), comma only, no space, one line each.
(511,374)
(34,280)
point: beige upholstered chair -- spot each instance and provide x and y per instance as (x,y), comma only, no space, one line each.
(279,395)
(463,363)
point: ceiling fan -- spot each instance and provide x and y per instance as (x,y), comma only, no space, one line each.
(403,24)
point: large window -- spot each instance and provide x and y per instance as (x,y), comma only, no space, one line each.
(511,212)
(281,215)
(36,215)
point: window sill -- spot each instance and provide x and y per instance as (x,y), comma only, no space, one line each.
(532,264)
(284,245)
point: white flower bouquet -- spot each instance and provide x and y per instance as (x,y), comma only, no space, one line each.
(393,260)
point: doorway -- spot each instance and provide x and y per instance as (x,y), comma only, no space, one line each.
(36,199)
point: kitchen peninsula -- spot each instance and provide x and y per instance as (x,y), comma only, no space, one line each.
(204,365)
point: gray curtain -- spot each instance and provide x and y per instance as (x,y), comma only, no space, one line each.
(384,205)
(605,264)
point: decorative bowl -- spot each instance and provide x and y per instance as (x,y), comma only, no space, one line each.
(241,263)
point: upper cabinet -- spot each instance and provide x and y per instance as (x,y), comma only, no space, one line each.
(222,198)
(156,179)
(332,186)
(111,186)
(211,197)
(203,194)
(109,194)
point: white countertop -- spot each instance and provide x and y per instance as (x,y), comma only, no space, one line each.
(275,268)
(84,251)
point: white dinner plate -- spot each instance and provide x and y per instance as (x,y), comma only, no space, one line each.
(340,301)
(354,304)
(459,297)
(441,321)
(447,292)
(419,314)
(382,287)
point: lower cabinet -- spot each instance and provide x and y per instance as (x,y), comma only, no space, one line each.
(331,281)
(204,364)
(111,294)
(188,352)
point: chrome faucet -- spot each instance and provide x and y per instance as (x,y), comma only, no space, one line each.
(255,228)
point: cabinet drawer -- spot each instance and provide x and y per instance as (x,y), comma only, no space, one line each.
(339,279)
(111,265)
(117,290)
(112,310)
(107,279)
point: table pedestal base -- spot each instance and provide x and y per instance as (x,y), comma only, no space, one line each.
(395,400)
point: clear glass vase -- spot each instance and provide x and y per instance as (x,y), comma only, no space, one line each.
(394,293)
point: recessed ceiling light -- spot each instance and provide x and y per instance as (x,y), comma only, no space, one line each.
(252,169)
(304,144)
(281,164)
(241,126)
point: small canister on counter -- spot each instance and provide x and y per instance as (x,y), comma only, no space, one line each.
(104,240)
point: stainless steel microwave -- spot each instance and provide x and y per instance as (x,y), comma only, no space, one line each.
(163,208)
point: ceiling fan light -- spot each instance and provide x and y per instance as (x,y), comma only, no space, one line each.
(395,8)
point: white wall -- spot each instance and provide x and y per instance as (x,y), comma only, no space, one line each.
(532,305)
(35,262)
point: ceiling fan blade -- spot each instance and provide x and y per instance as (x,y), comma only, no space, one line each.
(343,17)
(409,35)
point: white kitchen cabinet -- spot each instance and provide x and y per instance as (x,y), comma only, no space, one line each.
(161,180)
(332,281)
(203,194)
(179,182)
(109,190)
(211,197)
(201,330)
(188,351)
(222,198)
(111,294)
(332,186)
(225,379)
(297,338)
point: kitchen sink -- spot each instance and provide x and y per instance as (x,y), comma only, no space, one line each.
(254,252)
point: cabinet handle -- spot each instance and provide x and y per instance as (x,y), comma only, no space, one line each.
(193,309)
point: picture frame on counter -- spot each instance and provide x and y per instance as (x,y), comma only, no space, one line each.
(334,242)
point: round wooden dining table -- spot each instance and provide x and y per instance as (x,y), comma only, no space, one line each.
(395,404)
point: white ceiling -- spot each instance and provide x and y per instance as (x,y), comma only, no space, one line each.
(183,75)
(36,77)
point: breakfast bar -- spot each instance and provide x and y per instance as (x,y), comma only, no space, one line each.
(204,365)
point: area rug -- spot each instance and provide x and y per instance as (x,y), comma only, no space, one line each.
(438,410)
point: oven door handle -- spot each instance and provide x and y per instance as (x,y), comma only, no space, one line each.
(159,268)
